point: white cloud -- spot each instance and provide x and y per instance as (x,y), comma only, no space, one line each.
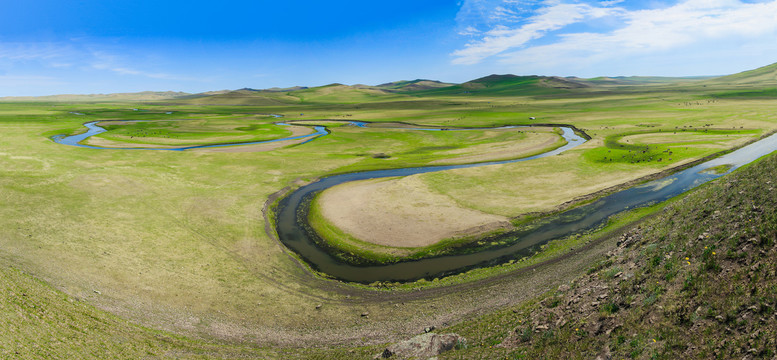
(22,80)
(469,31)
(550,18)
(74,54)
(683,25)
(105,61)
(34,51)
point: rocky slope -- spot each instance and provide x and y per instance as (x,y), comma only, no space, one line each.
(695,281)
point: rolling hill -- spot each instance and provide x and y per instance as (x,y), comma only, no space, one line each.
(509,85)
(413,85)
(763,76)
(118,97)
(240,97)
(343,94)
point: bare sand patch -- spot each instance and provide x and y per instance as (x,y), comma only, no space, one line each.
(401,212)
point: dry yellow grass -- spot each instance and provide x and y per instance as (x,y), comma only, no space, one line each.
(536,141)
(401,212)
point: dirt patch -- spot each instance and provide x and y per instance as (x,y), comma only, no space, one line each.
(401,212)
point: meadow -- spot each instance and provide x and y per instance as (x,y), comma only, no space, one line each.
(169,252)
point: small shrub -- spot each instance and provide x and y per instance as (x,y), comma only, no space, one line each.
(610,308)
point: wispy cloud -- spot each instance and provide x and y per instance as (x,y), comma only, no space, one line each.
(26,81)
(102,60)
(552,17)
(67,55)
(35,51)
(644,31)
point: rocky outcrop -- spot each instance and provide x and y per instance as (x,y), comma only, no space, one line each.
(422,346)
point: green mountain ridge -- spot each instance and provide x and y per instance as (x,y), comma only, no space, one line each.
(491,85)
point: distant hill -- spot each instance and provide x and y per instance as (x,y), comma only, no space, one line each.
(413,85)
(119,97)
(641,80)
(509,85)
(343,94)
(288,89)
(240,97)
(761,82)
(758,83)
(763,76)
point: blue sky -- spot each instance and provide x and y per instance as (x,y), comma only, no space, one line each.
(90,46)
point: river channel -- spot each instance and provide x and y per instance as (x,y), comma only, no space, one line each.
(94,129)
(291,210)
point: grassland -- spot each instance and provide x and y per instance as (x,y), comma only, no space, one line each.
(145,253)
(192,132)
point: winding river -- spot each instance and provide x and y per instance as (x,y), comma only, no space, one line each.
(579,219)
(291,209)
(94,129)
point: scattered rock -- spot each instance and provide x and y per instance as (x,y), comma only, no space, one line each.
(366,314)
(422,346)
(318,307)
(429,329)
(385,354)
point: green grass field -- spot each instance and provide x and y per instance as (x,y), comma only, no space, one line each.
(193,132)
(127,254)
